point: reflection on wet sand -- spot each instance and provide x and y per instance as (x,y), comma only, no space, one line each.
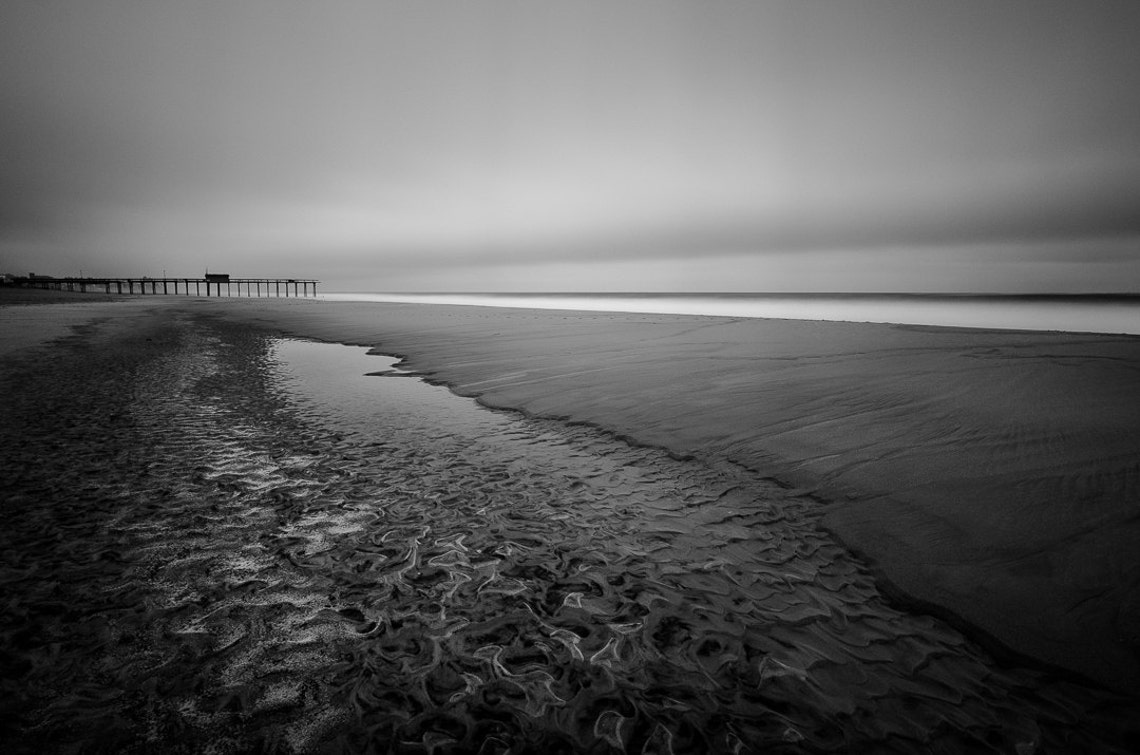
(268,549)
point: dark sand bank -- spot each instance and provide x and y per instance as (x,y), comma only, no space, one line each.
(12,295)
(31,317)
(991,474)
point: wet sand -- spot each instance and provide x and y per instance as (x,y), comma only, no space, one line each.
(23,323)
(993,475)
(220,537)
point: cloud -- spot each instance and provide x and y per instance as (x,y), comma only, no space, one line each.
(506,134)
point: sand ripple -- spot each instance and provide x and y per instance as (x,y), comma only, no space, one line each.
(223,540)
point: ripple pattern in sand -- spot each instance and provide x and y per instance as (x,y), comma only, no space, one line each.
(269,550)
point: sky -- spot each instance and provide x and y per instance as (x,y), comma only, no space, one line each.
(586,145)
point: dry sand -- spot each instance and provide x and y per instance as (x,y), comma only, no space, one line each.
(990,476)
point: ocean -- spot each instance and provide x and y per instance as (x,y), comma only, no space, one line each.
(1077,313)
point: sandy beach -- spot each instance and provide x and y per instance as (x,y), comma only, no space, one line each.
(993,475)
(698,533)
(619,378)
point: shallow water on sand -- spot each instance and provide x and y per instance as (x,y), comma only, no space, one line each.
(277,551)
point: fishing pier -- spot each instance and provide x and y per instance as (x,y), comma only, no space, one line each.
(213,284)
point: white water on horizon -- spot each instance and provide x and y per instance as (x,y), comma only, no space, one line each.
(1114,316)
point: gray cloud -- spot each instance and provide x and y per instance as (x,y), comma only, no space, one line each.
(421,135)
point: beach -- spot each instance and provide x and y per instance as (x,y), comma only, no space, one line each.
(991,473)
(685,532)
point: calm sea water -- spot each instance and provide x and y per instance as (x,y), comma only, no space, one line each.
(1081,314)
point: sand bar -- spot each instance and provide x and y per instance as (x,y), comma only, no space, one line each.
(990,475)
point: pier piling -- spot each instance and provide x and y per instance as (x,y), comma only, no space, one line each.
(170,287)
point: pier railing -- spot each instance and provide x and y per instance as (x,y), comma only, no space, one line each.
(254,287)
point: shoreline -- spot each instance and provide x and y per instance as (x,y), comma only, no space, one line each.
(977,471)
(248,538)
(1113,314)
(986,475)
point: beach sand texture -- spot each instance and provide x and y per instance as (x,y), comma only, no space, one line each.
(219,538)
(994,475)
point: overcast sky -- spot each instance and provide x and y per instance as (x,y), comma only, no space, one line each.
(861,145)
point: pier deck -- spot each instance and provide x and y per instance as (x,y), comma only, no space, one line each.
(254,287)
